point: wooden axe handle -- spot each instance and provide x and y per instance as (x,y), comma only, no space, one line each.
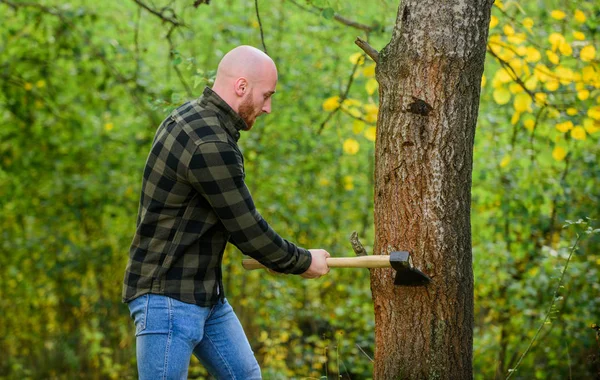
(382,261)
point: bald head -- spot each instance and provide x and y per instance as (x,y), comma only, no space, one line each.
(245,61)
(246,78)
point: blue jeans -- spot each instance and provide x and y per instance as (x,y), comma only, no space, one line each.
(168,331)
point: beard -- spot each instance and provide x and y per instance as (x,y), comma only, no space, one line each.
(246,111)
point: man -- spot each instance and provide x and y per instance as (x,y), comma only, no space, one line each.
(194,200)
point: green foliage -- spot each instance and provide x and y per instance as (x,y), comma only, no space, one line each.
(82,90)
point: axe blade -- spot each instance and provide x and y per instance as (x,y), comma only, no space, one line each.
(406,274)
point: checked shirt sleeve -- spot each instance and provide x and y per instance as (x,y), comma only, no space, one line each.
(216,171)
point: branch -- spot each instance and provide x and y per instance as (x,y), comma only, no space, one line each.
(16,6)
(548,311)
(371,52)
(188,90)
(358,248)
(158,14)
(262,36)
(339,18)
(343,96)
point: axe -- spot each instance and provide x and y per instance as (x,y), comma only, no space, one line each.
(406,274)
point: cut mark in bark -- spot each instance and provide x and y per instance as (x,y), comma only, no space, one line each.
(419,107)
(405,14)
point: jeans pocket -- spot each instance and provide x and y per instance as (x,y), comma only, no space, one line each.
(138,309)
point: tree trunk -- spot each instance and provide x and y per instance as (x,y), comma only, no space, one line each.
(430,77)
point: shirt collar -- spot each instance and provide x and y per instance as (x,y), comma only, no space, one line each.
(233,123)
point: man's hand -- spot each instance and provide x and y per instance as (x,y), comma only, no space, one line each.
(318,266)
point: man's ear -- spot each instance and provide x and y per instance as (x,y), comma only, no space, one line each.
(241,86)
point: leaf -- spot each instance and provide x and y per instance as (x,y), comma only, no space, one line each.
(328,13)
(371,86)
(532,55)
(501,96)
(357,58)
(331,103)
(370,133)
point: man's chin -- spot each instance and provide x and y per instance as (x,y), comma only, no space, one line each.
(249,124)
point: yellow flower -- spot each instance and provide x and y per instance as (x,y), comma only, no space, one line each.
(556,39)
(324,181)
(529,124)
(578,133)
(357,58)
(591,126)
(108,126)
(583,94)
(552,85)
(565,49)
(370,133)
(578,35)
(594,112)
(483,80)
(351,146)
(517,38)
(531,83)
(371,111)
(588,74)
(41,83)
(579,16)
(564,127)
(532,55)
(541,72)
(564,74)
(540,98)
(503,76)
(505,161)
(515,88)
(331,103)
(557,14)
(493,21)
(501,96)
(528,22)
(552,57)
(515,118)
(571,111)
(357,126)
(559,153)
(348,182)
(28,86)
(588,53)
(508,30)
(369,71)
(522,102)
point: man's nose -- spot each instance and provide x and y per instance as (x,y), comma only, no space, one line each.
(267,106)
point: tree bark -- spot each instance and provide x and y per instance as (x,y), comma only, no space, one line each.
(430,77)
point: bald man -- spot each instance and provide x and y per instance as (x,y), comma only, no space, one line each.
(193,201)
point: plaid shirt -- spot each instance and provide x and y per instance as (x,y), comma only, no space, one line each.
(193,201)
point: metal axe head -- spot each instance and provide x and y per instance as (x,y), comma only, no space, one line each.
(406,274)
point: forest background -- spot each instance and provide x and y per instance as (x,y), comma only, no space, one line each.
(84,85)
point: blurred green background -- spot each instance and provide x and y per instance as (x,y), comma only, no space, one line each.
(84,85)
